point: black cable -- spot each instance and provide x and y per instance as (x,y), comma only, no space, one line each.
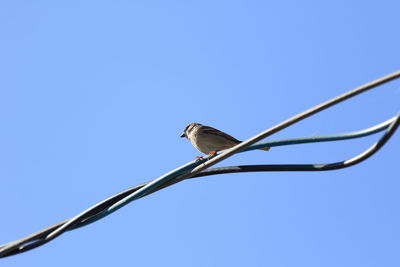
(38,238)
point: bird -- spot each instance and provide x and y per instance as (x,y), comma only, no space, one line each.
(209,140)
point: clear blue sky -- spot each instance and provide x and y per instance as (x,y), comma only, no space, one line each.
(94,96)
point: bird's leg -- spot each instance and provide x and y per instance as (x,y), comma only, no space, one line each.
(212,154)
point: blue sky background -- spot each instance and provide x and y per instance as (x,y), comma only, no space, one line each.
(94,96)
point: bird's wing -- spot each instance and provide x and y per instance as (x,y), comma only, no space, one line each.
(211,130)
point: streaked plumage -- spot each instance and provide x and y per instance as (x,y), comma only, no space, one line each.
(209,140)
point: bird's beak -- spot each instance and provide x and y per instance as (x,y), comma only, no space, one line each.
(183,135)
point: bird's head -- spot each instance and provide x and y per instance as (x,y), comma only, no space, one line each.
(188,129)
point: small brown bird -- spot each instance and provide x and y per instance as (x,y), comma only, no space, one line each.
(209,140)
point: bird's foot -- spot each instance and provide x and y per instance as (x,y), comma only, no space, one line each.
(198,158)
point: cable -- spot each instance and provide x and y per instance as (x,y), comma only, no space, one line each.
(95,213)
(197,169)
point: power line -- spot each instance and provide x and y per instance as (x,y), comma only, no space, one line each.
(198,169)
